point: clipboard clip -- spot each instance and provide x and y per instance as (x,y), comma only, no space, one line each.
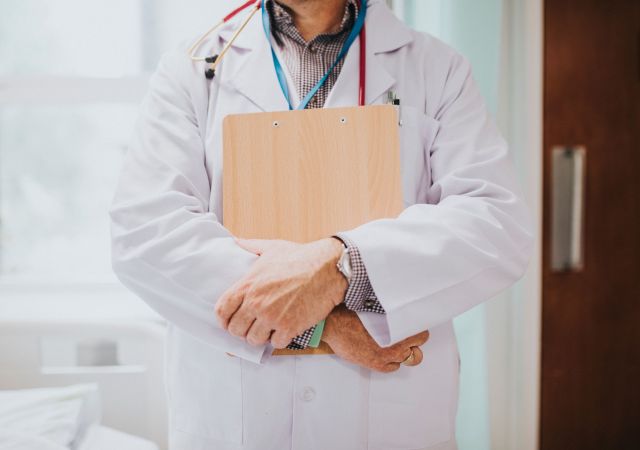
(392,99)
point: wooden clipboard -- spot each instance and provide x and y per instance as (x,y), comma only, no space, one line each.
(305,175)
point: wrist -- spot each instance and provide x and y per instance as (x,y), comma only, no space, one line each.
(332,254)
(329,327)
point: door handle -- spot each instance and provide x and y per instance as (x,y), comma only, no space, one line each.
(567,208)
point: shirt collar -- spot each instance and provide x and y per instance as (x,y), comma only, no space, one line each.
(282,21)
(385,32)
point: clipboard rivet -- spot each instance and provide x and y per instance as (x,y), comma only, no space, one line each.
(343,120)
(276,124)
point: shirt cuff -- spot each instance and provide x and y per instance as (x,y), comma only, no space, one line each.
(359,295)
(301,341)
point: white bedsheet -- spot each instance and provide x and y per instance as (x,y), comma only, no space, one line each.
(59,416)
(15,440)
(97,438)
(103,438)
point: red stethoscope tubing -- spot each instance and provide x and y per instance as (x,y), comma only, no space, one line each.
(362,85)
(363,67)
(239,9)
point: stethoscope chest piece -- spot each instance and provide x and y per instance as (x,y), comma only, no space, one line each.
(214,60)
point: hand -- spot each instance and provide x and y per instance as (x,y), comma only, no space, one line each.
(350,340)
(290,288)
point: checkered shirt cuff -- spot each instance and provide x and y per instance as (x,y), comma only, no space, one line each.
(360,295)
(301,341)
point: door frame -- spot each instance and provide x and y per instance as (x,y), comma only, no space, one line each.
(522,97)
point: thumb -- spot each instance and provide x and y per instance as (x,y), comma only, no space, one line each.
(417,340)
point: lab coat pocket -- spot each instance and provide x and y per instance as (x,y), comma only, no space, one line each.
(417,135)
(414,407)
(205,390)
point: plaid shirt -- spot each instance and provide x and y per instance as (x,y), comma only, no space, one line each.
(307,63)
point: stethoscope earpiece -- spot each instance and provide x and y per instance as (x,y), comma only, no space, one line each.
(209,73)
(211,59)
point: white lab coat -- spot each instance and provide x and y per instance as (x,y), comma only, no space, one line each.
(464,236)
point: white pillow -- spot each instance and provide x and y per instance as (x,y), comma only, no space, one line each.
(59,416)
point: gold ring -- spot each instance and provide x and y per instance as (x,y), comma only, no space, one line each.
(409,358)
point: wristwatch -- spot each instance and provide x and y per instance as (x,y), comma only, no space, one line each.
(344,263)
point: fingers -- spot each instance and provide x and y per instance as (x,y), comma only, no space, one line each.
(415,359)
(280,339)
(258,333)
(406,354)
(401,360)
(241,321)
(416,340)
(228,304)
(402,354)
(390,367)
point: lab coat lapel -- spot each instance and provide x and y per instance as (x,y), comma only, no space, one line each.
(345,90)
(255,76)
(378,79)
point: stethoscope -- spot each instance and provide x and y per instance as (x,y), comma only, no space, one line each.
(255,5)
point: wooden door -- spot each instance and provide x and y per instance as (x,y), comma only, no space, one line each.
(591,317)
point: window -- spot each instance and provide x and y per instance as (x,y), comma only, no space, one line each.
(60,164)
(72,74)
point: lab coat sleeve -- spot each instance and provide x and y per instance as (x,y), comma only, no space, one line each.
(167,246)
(470,239)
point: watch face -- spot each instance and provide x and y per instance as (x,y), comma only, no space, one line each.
(344,265)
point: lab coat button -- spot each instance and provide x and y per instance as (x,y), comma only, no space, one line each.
(307,394)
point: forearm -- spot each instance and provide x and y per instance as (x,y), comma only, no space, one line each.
(346,335)
(167,244)
(182,284)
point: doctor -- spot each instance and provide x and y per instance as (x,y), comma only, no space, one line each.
(464,236)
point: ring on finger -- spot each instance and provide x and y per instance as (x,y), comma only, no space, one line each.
(409,359)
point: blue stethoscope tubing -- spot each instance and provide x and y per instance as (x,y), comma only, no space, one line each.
(357,30)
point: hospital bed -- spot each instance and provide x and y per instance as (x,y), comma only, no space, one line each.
(110,357)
